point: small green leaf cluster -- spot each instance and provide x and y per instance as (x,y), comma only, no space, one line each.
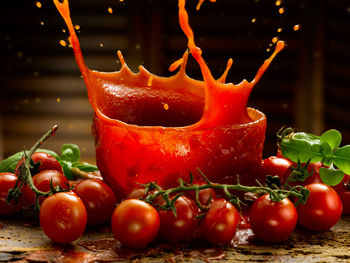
(302,147)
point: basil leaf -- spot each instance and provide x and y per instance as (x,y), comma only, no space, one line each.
(9,164)
(331,176)
(307,136)
(70,153)
(301,150)
(326,150)
(67,170)
(332,137)
(86,167)
(341,158)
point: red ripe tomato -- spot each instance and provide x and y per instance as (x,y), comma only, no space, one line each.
(179,228)
(135,223)
(274,166)
(219,224)
(8,181)
(98,199)
(204,195)
(44,162)
(42,182)
(63,217)
(272,221)
(343,191)
(322,209)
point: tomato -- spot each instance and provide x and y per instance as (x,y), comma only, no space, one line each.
(204,195)
(272,221)
(140,193)
(43,161)
(343,191)
(98,199)
(179,228)
(135,223)
(274,166)
(219,224)
(322,209)
(42,182)
(63,217)
(8,181)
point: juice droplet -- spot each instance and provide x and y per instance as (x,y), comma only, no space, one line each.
(279,30)
(58,100)
(63,43)
(281,10)
(19,54)
(278,2)
(38,4)
(253,20)
(64,31)
(42,23)
(176,64)
(268,49)
(77,27)
(296,27)
(101,44)
(110,10)
(274,40)
(166,106)
(149,81)
(121,1)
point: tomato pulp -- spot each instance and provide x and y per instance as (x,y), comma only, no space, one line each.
(151,128)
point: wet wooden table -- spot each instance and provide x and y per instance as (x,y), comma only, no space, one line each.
(22,240)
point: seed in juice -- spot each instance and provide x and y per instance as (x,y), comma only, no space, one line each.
(296,27)
(63,43)
(38,4)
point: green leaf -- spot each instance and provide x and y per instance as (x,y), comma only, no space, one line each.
(332,137)
(326,150)
(70,153)
(67,170)
(331,176)
(9,164)
(301,149)
(86,167)
(307,136)
(341,158)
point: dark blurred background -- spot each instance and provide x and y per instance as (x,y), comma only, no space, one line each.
(306,87)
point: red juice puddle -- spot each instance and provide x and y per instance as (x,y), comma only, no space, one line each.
(151,128)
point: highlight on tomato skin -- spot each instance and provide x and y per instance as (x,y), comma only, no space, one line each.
(219,224)
(135,223)
(322,209)
(343,191)
(63,217)
(272,221)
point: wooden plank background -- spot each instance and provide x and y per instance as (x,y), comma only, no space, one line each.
(306,87)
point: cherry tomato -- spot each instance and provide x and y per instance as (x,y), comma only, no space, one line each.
(43,161)
(205,196)
(219,224)
(179,228)
(140,193)
(8,181)
(63,217)
(42,182)
(98,199)
(274,166)
(343,191)
(135,223)
(322,209)
(272,221)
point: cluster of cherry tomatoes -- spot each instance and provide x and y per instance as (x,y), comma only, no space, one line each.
(135,223)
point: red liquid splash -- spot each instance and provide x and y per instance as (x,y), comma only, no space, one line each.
(150,128)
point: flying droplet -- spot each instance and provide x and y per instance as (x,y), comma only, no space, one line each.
(279,30)
(63,43)
(296,27)
(42,23)
(110,10)
(253,20)
(19,54)
(268,49)
(38,4)
(64,30)
(101,44)
(58,100)
(274,40)
(278,2)
(281,10)
(166,106)
(77,27)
